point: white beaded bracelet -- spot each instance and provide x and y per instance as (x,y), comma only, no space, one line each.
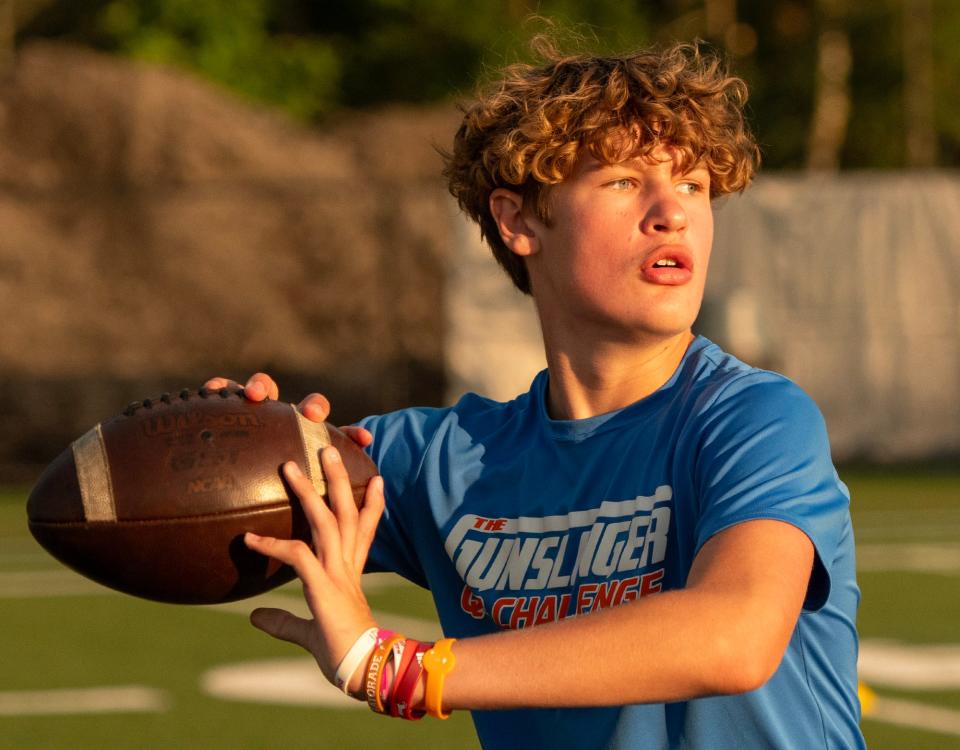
(350,663)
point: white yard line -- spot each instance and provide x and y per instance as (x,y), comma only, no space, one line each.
(17,584)
(915,715)
(932,557)
(295,681)
(915,524)
(288,681)
(909,666)
(97,700)
(918,558)
(414,627)
(917,532)
(31,584)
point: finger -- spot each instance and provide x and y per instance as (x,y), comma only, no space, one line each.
(367,520)
(215,384)
(323,525)
(292,552)
(283,625)
(360,435)
(342,503)
(261,386)
(315,407)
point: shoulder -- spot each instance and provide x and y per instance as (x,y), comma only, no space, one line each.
(724,389)
(470,421)
(471,409)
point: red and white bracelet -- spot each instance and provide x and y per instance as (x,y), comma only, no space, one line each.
(395,668)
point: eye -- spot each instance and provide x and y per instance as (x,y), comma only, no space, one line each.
(694,182)
(690,187)
(622,183)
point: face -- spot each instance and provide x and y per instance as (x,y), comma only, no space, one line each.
(626,249)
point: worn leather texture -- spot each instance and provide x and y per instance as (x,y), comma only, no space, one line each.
(189,474)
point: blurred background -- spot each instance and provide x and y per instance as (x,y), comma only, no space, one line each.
(199,187)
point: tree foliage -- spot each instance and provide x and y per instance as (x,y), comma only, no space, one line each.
(313,58)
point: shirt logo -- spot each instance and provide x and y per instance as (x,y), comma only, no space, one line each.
(559,566)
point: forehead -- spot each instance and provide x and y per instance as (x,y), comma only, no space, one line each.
(659,157)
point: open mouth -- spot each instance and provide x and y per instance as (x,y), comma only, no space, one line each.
(671,266)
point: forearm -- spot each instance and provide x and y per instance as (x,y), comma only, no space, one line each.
(672,646)
(725,633)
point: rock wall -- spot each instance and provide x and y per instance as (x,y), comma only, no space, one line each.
(155,231)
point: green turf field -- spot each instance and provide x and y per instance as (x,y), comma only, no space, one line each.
(83,636)
(61,633)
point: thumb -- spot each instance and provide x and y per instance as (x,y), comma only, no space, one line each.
(281,624)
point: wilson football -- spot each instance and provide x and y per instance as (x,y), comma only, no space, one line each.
(154,501)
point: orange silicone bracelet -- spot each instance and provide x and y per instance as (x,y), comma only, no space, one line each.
(378,660)
(438,662)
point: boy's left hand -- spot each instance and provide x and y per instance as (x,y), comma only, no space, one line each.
(331,571)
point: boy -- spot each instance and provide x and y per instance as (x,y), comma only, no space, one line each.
(651,547)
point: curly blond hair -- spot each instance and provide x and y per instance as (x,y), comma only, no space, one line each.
(526,132)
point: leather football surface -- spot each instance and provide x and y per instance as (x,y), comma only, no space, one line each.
(154,501)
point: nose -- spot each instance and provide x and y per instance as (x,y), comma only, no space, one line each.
(664,215)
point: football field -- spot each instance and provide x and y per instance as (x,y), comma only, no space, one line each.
(82,667)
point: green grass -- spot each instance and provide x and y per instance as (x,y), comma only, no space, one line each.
(908,507)
(109,639)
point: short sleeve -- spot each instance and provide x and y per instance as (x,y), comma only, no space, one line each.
(399,441)
(764,453)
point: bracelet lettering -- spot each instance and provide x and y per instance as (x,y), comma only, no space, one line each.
(356,656)
(374,668)
(391,673)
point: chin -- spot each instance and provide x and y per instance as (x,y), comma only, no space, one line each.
(665,326)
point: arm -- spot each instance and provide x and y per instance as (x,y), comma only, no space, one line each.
(725,633)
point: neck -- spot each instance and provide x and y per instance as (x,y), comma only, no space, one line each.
(610,376)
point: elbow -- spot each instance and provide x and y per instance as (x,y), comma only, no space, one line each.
(749,649)
(744,666)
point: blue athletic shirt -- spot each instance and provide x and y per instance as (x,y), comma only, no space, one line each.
(512,519)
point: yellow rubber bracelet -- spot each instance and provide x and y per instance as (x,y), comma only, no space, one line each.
(438,662)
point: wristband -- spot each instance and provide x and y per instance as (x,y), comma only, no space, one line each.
(390,673)
(438,662)
(383,634)
(374,669)
(402,704)
(355,657)
(402,654)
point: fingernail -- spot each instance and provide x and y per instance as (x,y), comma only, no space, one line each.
(251,537)
(333,454)
(293,470)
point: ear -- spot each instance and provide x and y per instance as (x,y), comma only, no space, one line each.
(516,229)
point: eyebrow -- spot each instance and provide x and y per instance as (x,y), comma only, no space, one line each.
(638,163)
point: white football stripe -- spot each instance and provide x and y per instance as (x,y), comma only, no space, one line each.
(93,474)
(314,437)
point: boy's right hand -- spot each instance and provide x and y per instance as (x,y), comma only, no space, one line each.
(315,407)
